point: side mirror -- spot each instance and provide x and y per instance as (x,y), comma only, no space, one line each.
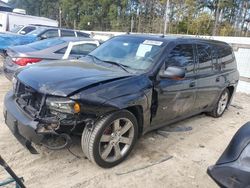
(172,72)
(42,37)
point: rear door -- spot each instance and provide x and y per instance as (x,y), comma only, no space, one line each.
(209,80)
(176,98)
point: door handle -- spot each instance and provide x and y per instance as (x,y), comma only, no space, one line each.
(217,79)
(192,84)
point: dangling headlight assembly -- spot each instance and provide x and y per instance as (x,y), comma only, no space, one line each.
(63,105)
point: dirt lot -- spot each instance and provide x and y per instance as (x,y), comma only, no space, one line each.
(194,144)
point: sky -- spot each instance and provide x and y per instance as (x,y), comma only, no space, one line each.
(6,1)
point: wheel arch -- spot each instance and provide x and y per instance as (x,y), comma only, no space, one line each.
(231,90)
(137,111)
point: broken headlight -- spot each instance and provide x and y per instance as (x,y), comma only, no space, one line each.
(63,105)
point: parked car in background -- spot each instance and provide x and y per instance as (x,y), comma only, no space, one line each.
(11,20)
(49,49)
(51,32)
(40,33)
(128,86)
(25,29)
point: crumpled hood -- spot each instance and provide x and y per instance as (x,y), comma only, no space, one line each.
(7,40)
(63,78)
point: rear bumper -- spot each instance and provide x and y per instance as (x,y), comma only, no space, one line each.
(22,127)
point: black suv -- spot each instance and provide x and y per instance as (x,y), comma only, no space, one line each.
(128,86)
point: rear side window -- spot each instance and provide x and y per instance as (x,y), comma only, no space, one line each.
(81,34)
(67,33)
(182,56)
(82,49)
(204,53)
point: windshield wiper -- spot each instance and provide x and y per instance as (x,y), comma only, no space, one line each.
(111,62)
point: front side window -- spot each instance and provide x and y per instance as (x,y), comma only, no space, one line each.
(136,53)
(182,56)
(51,34)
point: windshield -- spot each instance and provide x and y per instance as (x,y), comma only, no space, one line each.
(37,31)
(16,29)
(43,44)
(136,53)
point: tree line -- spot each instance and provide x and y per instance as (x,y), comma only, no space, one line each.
(195,17)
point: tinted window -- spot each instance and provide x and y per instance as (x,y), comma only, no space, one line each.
(83,49)
(43,44)
(182,56)
(51,34)
(81,34)
(226,57)
(66,33)
(204,53)
(224,51)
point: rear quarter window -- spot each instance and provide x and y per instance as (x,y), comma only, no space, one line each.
(226,56)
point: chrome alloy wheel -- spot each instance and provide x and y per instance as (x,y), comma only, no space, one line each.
(222,103)
(116,140)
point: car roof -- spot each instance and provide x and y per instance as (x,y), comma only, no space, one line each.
(51,27)
(73,39)
(171,38)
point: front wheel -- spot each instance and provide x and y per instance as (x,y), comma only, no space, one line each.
(221,105)
(111,140)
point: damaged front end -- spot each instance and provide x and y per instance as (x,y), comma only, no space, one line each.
(43,119)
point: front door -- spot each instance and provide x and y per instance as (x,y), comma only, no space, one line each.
(175,98)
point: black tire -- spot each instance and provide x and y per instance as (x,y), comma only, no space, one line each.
(215,112)
(91,139)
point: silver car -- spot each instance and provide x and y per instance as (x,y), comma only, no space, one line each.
(49,49)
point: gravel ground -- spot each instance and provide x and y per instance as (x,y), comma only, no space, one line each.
(178,158)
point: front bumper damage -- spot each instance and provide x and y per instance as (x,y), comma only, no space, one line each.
(30,130)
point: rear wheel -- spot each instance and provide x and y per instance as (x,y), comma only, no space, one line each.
(111,140)
(221,104)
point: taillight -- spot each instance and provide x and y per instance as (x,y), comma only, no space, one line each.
(25,61)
